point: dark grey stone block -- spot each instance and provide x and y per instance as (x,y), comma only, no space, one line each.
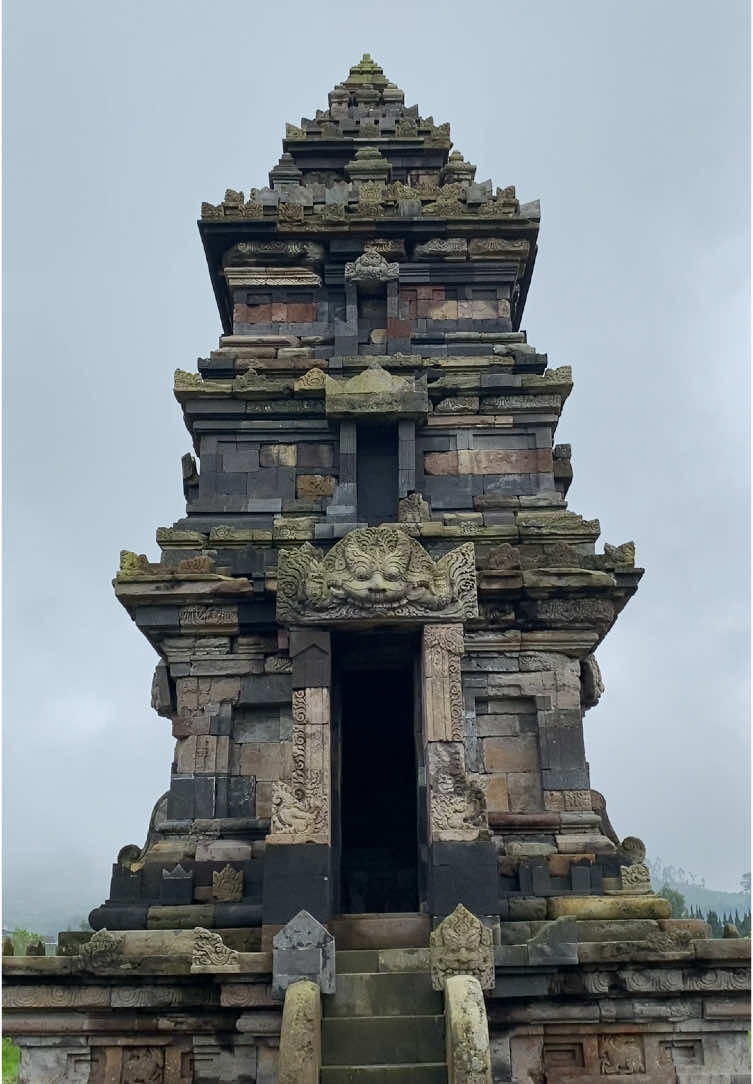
(267,689)
(176,886)
(153,617)
(233,915)
(241,796)
(232,484)
(463,873)
(297,875)
(204,796)
(561,747)
(310,650)
(565,779)
(125,887)
(180,798)
(519,986)
(117,917)
(270,482)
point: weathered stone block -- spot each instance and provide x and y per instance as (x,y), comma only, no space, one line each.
(511,754)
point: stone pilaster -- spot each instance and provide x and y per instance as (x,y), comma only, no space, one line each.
(301,807)
(441,679)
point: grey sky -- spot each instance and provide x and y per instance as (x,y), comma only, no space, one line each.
(628,120)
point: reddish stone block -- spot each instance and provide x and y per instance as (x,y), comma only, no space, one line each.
(279,312)
(301,313)
(491,461)
(258,314)
(398,329)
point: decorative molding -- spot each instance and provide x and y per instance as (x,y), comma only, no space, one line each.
(271,276)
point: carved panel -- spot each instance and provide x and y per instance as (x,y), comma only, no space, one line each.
(457,801)
(375,573)
(442,683)
(621,1054)
(227,885)
(300,806)
(142,1064)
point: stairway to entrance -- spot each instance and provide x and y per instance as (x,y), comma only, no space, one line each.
(385,1024)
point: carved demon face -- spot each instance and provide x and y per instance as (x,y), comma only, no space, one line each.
(374,569)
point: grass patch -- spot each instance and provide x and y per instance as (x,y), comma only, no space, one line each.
(11,1060)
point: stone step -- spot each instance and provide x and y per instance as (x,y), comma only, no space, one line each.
(373,960)
(383,1040)
(361,960)
(380,931)
(386,994)
(425,1073)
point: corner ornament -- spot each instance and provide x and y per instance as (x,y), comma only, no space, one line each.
(375,573)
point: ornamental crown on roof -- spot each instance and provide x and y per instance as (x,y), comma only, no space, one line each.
(369,155)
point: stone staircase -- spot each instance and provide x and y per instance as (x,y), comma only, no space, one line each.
(385,1024)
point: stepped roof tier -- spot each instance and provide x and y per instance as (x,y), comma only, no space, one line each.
(371,166)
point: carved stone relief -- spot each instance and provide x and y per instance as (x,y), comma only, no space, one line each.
(102,951)
(371,270)
(457,802)
(621,1054)
(461,945)
(375,572)
(211,954)
(300,806)
(442,685)
(227,885)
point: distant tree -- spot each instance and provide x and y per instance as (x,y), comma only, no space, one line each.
(22,939)
(676,900)
(716,926)
(745,882)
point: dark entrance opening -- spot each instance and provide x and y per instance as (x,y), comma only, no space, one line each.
(378,783)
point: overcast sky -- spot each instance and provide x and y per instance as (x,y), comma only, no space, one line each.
(628,120)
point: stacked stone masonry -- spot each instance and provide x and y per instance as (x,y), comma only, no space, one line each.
(375,494)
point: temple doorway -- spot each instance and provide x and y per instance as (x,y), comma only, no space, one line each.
(378,798)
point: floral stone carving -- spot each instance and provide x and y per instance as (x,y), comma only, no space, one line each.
(371,271)
(227,885)
(461,945)
(211,954)
(375,572)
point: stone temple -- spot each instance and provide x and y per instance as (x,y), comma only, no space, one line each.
(380,857)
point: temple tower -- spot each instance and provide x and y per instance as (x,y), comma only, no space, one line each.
(376,628)
(377,620)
